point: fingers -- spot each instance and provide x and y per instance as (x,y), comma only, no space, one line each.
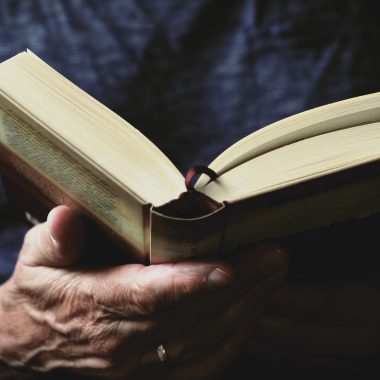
(212,364)
(146,290)
(255,279)
(341,302)
(257,262)
(188,339)
(175,302)
(250,267)
(56,243)
(208,331)
(207,365)
(137,290)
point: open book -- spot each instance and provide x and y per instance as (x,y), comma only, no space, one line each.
(301,173)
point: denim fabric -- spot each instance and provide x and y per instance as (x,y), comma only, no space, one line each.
(12,232)
(197,76)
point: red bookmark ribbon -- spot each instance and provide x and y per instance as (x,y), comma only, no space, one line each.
(197,170)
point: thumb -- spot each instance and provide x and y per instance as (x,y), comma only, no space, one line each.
(58,242)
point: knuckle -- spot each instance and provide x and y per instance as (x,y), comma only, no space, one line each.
(100,340)
(107,348)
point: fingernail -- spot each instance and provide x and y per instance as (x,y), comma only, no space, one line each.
(52,238)
(218,278)
(272,259)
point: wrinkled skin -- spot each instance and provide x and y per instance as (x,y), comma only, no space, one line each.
(57,313)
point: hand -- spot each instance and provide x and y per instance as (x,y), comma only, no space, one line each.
(321,327)
(57,313)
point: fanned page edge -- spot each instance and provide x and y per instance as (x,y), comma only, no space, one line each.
(327,118)
(176,177)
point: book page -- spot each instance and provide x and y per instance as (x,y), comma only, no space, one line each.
(86,126)
(299,162)
(328,118)
(69,176)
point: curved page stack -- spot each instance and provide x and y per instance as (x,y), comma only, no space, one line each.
(58,145)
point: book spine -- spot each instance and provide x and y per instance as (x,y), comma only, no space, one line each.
(175,239)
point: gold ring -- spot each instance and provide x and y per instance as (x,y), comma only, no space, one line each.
(161,352)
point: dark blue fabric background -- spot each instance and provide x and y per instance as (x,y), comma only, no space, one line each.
(196,76)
